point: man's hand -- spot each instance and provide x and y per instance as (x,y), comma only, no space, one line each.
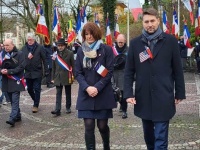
(131,100)
(92,91)
(30,56)
(4,71)
(177,101)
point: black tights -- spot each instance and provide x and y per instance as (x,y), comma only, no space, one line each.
(104,130)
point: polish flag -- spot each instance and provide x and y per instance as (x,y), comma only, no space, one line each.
(108,33)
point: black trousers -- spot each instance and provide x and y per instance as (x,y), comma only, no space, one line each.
(59,97)
(48,77)
(123,103)
(34,90)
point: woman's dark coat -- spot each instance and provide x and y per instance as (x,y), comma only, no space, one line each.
(60,75)
(89,77)
(34,66)
(158,82)
(15,66)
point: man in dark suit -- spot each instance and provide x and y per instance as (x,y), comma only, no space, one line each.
(35,58)
(62,71)
(12,70)
(154,57)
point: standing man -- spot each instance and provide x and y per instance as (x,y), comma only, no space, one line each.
(154,57)
(12,70)
(35,58)
(119,65)
(62,75)
(48,54)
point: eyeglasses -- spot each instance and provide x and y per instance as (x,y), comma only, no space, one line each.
(120,42)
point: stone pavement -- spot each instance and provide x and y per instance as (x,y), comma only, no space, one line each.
(42,131)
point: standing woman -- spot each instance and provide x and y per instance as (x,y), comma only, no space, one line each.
(93,70)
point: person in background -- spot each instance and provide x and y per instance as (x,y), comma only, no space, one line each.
(12,71)
(93,71)
(48,54)
(183,52)
(3,94)
(119,65)
(63,66)
(197,56)
(35,58)
(154,57)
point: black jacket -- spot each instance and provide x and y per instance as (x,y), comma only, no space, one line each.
(15,66)
(34,66)
(158,81)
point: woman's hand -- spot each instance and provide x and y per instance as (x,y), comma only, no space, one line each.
(92,91)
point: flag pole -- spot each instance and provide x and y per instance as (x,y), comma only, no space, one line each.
(179,17)
(128,13)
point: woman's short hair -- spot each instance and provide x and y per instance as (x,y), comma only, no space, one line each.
(93,29)
(30,35)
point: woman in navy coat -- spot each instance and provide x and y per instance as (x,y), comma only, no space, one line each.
(93,71)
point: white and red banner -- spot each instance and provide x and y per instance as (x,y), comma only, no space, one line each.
(108,33)
(175,27)
(42,29)
(56,25)
(186,35)
(165,23)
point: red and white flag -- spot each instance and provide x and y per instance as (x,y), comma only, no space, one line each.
(108,33)
(175,27)
(165,23)
(186,35)
(187,4)
(56,25)
(116,31)
(42,29)
(100,69)
(197,23)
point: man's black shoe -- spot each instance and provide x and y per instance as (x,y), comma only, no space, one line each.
(124,115)
(11,122)
(50,86)
(68,111)
(55,112)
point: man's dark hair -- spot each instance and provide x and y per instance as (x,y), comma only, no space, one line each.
(150,11)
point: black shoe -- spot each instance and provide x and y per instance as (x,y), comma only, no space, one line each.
(18,119)
(55,112)
(11,122)
(50,85)
(68,111)
(124,115)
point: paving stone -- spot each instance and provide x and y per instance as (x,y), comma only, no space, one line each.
(43,131)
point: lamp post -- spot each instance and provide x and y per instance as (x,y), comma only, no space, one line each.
(160,8)
(128,17)
(1,24)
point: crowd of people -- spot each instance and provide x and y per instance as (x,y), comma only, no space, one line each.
(152,61)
